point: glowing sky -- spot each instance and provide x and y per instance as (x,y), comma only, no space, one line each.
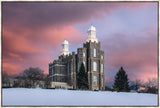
(32,34)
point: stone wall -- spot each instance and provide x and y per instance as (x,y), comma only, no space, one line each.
(60,85)
(73,62)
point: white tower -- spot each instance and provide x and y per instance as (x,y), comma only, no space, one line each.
(65,47)
(92,34)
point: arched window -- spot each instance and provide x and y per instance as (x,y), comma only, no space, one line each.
(68,67)
(102,82)
(94,66)
(95,80)
(52,71)
(102,68)
(101,56)
(78,66)
(65,46)
(94,52)
(84,54)
(71,66)
(84,63)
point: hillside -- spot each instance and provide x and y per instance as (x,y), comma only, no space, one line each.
(57,97)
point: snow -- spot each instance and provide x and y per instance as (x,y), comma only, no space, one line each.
(59,97)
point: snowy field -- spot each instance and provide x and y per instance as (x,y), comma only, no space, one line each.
(57,97)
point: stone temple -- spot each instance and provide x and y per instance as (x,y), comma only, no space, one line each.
(62,72)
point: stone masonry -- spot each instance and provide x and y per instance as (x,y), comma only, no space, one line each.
(62,72)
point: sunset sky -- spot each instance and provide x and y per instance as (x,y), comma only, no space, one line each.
(32,33)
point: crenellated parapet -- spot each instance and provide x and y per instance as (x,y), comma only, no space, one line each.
(64,69)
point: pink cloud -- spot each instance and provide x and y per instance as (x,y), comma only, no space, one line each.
(54,36)
(135,5)
(10,68)
(32,36)
(32,48)
(17,42)
(137,53)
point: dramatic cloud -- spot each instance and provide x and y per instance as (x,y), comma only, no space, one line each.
(21,47)
(137,53)
(32,33)
(10,68)
(39,15)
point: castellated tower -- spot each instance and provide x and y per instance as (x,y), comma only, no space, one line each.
(95,61)
(62,72)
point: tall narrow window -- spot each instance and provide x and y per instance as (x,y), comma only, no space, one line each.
(71,66)
(65,46)
(95,80)
(52,71)
(101,56)
(68,67)
(94,66)
(78,66)
(94,52)
(84,63)
(102,68)
(102,82)
(84,54)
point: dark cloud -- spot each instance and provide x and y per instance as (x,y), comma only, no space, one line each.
(41,14)
(33,31)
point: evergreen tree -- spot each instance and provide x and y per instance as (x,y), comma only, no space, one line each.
(82,78)
(121,81)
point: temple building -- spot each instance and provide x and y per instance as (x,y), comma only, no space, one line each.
(62,72)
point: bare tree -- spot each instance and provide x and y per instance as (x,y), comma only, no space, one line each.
(47,81)
(152,82)
(5,79)
(136,84)
(152,85)
(32,74)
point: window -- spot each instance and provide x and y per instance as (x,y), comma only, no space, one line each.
(71,66)
(65,47)
(94,66)
(102,82)
(92,34)
(94,52)
(101,67)
(78,66)
(95,80)
(52,71)
(84,54)
(101,56)
(84,63)
(68,67)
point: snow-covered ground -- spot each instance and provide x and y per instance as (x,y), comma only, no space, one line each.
(58,97)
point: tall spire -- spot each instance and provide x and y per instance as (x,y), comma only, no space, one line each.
(65,48)
(92,34)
